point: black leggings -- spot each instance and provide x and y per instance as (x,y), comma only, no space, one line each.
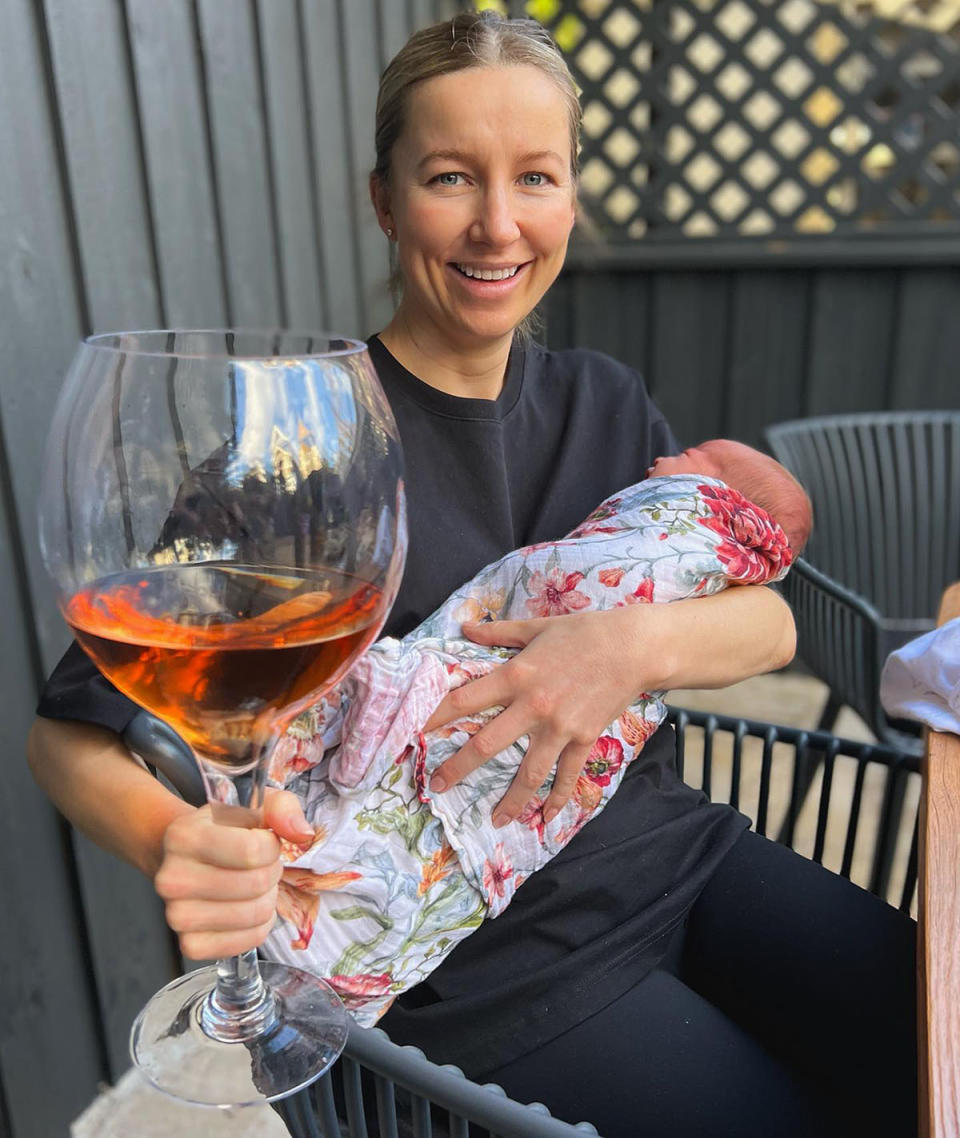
(785,1008)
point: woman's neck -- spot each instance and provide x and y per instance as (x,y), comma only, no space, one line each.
(475,372)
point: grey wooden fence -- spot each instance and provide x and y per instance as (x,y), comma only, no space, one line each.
(161,163)
(195,162)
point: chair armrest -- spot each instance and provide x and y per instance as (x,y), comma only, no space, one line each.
(161,747)
(938,974)
(837,633)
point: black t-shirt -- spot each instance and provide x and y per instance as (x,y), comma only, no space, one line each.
(484,477)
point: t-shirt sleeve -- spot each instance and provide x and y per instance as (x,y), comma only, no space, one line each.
(77,690)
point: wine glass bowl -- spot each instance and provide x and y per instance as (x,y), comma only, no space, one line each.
(222,515)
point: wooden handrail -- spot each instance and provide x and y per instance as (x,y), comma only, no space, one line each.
(938,972)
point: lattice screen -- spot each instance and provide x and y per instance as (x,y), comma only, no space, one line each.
(764,117)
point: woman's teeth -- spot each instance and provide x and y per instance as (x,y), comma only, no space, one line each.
(487,274)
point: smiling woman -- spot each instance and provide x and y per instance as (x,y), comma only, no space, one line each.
(638,958)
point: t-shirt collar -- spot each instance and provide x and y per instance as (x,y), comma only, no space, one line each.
(441,402)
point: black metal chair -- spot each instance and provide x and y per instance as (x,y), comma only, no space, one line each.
(885,488)
(380,1089)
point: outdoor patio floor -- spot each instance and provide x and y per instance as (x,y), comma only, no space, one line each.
(791,697)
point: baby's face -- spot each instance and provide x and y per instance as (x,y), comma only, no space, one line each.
(692,461)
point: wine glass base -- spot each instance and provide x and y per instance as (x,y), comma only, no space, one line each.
(173,1052)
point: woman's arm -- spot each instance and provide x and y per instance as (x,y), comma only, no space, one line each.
(97,784)
(608,658)
(219,882)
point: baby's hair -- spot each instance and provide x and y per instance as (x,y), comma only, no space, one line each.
(764,481)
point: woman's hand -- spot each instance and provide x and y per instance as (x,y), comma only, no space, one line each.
(220,882)
(577,673)
(574,676)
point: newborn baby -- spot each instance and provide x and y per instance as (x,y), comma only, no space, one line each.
(396,874)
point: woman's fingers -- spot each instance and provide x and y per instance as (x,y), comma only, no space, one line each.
(207,945)
(220,882)
(182,878)
(572,761)
(197,837)
(534,770)
(490,740)
(492,690)
(502,633)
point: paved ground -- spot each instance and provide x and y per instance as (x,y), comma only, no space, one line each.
(133,1109)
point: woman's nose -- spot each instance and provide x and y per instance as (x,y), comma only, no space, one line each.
(496,222)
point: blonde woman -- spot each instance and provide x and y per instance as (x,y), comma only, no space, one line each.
(669,972)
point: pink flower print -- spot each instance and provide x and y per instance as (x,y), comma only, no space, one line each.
(555,594)
(496,874)
(532,817)
(641,595)
(610,577)
(357,990)
(587,528)
(754,548)
(604,760)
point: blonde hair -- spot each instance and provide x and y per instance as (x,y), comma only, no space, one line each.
(471,39)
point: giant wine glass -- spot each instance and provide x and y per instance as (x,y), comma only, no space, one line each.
(222,515)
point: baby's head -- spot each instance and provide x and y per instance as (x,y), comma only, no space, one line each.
(757,476)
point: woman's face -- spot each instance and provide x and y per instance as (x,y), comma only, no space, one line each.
(481,199)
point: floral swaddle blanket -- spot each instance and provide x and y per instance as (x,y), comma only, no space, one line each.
(397,875)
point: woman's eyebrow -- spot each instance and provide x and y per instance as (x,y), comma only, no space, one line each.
(461,156)
(442,156)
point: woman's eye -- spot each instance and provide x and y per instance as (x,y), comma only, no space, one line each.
(448,179)
(534,179)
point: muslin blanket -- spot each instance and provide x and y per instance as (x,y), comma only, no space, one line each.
(921,680)
(397,875)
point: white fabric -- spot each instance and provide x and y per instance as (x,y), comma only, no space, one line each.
(921,680)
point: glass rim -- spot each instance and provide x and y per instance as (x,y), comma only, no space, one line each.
(101,342)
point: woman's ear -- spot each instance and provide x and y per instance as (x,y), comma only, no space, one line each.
(380,196)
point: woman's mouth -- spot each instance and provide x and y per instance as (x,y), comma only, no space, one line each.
(487,272)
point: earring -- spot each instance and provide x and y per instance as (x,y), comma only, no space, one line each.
(389,232)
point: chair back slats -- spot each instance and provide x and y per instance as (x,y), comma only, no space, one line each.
(886,495)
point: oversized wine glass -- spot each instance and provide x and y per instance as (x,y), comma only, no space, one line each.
(222,515)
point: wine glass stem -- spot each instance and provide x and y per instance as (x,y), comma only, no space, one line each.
(241,1006)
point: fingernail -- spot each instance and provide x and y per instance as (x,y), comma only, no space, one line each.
(438,783)
(305,832)
(550,813)
(500,820)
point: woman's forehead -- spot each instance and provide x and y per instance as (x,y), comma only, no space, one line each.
(515,105)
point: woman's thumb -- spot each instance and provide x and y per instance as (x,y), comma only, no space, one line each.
(283,814)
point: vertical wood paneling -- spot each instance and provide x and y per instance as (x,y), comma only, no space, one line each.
(41,305)
(51,1055)
(395,26)
(362,60)
(237,126)
(852,332)
(768,332)
(49,1022)
(172,113)
(609,312)
(328,124)
(285,92)
(93,85)
(686,375)
(926,368)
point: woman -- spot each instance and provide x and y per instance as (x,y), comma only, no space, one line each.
(668,972)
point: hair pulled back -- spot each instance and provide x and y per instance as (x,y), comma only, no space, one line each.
(471,39)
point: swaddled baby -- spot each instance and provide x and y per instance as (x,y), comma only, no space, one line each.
(396,874)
